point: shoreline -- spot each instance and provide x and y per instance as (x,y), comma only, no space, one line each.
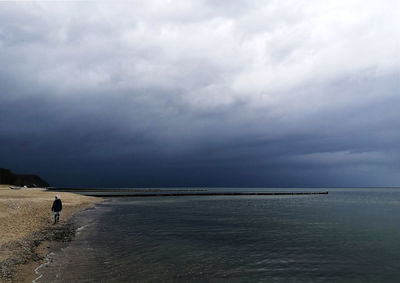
(55,239)
(27,231)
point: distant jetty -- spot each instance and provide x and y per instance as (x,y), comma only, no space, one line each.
(174,192)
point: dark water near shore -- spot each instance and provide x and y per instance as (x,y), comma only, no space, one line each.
(350,235)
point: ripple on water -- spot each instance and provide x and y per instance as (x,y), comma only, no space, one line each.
(325,238)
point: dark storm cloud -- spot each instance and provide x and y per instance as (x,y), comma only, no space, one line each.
(200,94)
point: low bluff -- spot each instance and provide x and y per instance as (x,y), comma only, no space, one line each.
(9,178)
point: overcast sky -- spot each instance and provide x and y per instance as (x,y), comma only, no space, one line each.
(201,93)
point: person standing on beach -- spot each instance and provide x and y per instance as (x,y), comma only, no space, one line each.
(56,208)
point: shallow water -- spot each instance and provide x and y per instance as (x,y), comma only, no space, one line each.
(350,235)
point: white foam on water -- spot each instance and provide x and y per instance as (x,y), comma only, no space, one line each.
(48,260)
(80,229)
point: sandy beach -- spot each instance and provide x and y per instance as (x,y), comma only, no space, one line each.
(26,223)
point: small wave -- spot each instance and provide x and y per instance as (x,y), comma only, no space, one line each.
(48,260)
(80,229)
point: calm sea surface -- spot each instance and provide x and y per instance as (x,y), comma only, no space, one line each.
(350,235)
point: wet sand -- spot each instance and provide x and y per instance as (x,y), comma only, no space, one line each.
(27,228)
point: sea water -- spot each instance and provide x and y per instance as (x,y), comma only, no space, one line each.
(349,235)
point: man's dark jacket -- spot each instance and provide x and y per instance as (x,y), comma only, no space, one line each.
(57,205)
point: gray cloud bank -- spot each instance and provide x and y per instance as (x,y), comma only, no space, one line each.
(193,93)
